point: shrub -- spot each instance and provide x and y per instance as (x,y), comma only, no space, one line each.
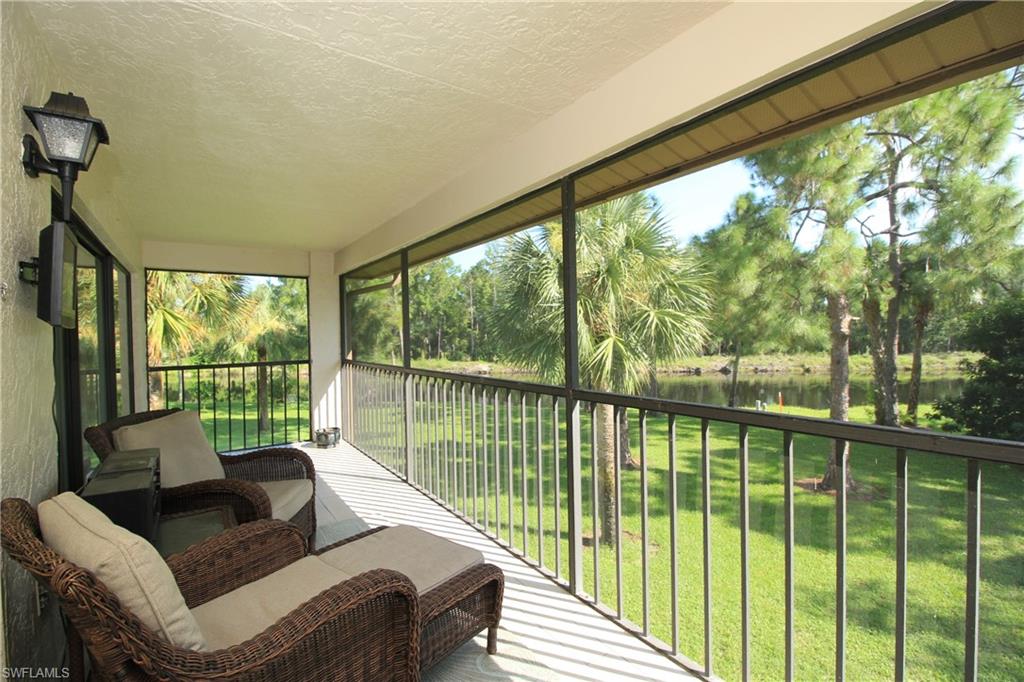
(992,402)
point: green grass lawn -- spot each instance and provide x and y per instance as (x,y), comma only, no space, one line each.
(937,543)
(236,429)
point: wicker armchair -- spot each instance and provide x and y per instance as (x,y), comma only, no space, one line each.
(364,628)
(238,489)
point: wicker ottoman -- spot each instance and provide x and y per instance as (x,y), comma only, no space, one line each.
(459,594)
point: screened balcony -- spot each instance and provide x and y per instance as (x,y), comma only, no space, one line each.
(642,534)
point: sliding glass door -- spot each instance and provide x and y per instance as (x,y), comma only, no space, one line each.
(93,361)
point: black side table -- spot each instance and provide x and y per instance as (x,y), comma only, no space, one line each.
(126,487)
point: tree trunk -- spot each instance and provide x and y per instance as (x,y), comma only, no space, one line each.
(839,398)
(885,334)
(734,389)
(606,473)
(921,314)
(625,454)
(262,398)
(156,389)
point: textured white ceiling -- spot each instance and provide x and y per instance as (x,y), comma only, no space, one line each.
(308,124)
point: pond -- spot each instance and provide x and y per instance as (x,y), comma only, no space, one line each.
(798,390)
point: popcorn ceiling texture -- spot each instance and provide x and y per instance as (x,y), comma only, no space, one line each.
(28,442)
(304,125)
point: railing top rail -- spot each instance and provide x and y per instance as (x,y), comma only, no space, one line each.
(510,384)
(225,365)
(1011,452)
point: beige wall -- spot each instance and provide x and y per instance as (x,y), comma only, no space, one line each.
(732,52)
(28,439)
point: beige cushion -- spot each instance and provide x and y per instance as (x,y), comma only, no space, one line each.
(243,613)
(287,497)
(185,454)
(127,564)
(426,559)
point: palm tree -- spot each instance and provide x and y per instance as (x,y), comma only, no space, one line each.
(642,300)
(257,325)
(184,309)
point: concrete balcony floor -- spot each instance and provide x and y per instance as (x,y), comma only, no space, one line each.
(546,634)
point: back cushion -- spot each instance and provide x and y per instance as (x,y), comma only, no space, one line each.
(127,564)
(185,454)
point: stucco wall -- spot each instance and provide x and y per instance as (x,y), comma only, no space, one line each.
(28,441)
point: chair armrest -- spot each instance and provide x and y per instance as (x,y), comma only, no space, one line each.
(235,557)
(269,464)
(371,622)
(246,499)
(470,581)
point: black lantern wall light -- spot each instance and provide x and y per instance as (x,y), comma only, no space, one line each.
(70,138)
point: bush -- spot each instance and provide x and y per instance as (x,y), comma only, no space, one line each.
(992,402)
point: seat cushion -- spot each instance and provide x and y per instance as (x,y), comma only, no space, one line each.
(126,563)
(249,610)
(287,497)
(426,559)
(185,454)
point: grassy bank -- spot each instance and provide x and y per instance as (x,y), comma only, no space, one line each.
(936,543)
(933,364)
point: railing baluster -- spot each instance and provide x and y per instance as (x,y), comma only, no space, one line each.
(539,427)
(556,437)
(973,569)
(522,470)
(231,415)
(645,559)
(284,380)
(166,392)
(444,439)
(472,440)
(744,553)
(497,466)
(436,461)
(245,416)
(594,506)
(617,466)
(673,524)
(486,452)
(462,434)
(454,500)
(510,487)
(901,565)
(705,482)
(787,460)
(215,409)
(841,450)
(273,429)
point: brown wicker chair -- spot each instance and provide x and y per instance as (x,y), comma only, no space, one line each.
(365,628)
(237,490)
(371,627)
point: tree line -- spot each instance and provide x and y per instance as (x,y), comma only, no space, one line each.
(877,235)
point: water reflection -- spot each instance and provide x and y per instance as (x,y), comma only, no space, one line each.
(798,390)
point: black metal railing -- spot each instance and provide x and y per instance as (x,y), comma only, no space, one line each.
(520,461)
(241,405)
